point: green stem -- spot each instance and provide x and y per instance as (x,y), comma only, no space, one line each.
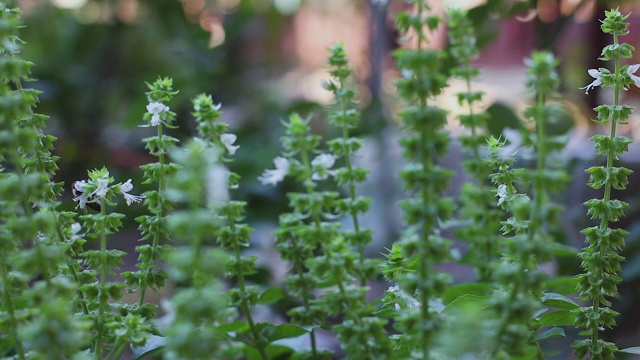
(326,248)
(70,264)
(425,193)
(103,281)
(6,294)
(156,236)
(305,161)
(487,248)
(116,352)
(299,268)
(352,186)
(257,338)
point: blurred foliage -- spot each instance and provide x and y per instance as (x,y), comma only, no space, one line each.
(92,75)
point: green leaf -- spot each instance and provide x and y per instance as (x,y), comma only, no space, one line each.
(631,350)
(557,318)
(529,352)
(562,285)
(236,326)
(271,296)
(283,331)
(502,116)
(456,291)
(274,351)
(386,313)
(155,344)
(559,301)
(553,332)
(561,250)
(466,302)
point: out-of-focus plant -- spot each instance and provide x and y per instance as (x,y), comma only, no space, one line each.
(424,142)
(526,237)
(478,210)
(60,297)
(36,295)
(153,226)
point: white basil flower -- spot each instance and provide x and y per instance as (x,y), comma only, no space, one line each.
(79,194)
(324,162)
(272,177)
(218,183)
(155,109)
(101,189)
(228,140)
(129,198)
(75,229)
(631,71)
(596,74)
(501,193)
(408,300)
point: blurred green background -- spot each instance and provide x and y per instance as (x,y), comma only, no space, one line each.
(263,59)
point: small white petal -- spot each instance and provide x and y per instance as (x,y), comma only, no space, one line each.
(155,108)
(228,140)
(155,120)
(79,185)
(218,183)
(272,177)
(324,160)
(75,227)
(126,187)
(406,73)
(281,163)
(82,200)
(631,71)
(130,198)
(79,194)
(501,193)
(594,73)
(101,190)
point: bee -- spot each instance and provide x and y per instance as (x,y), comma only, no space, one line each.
(92,202)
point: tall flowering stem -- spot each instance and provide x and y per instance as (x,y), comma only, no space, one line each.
(346,119)
(477,199)
(200,305)
(601,258)
(296,239)
(102,294)
(153,226)
(526,232)
(32,247)
(358,327)
(424,141)
(233,235)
